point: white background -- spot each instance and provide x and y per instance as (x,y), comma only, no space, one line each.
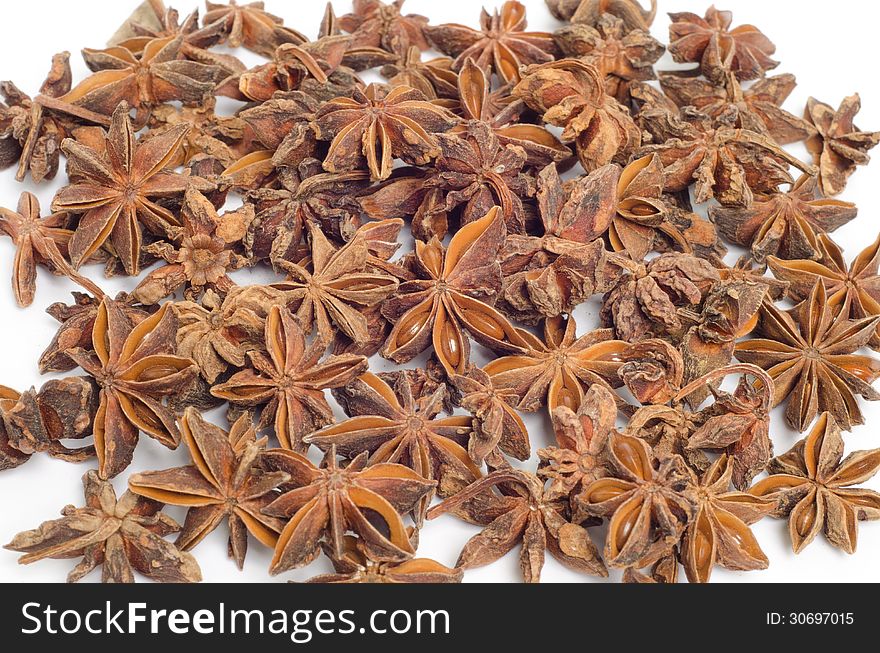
(831,49)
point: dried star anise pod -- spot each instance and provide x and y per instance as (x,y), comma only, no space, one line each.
(220,331)
(667,430)
(578,458)
(619,54)
(452,299)
(38,420)
(744,270)
(114,190)
(652,371)
(719,533)
(376,24)
(224,481)
(558,369)
(135,368)
(280,131)
(335,287)
(395,423)
(434,78)
(589,12)
(249,26)
(856,286)
(155,77)
(501,45)
(727,163)
(757,108)
(38,241)
(737,423)
(201,256)
(838,146)
(646,299)
(709,41)
(786,224)
(29,136)
(122,535)
(379,124)
(322,503)
(497,425)
(812,487)
(524,514)
(210,136)
(289,380)
(809,352)
(648,501)
(571,94)
(355,566)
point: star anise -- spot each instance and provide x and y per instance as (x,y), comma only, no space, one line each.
(201,255)
(524,514)
(434,78)
(571,94)
(497,426)
(812,487)
(289,380)
(578,458)
(114,190)
(809,352)
(452,299)
(589,12)
(209,137)
(123,536)
(323,503)
(28,135)
(648,501)
(558,369)
(786,224)
(248,25)
(652,371)
(38,241)
(153,78)
(224,481)
(619,54)
(10,456)
(379,124)
(135,368)
(719,533)
(856,286)
(397,424)
(335,287)
(709,41)
(757,108)
(838,146)
(377,24)
(355,566)
(501,45)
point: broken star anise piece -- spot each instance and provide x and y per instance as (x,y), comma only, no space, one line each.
(524,515)
(121,535)
(812,487)
(224,482)
(652,371)
(323,503)
(376,24)
(589,12)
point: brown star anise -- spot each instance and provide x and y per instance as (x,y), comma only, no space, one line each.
(786,224)
(856,286)
(335,287)
(589,12)
(123,536)
(501,45)
(524,514)
(376,24)
(709,41)
(558,369)
(114,190)
(652,371)
(434,78)
(812,487)
(288,382)
(322,503)
(224,481)
(248,25)
(455,295)
(398,424)
(809,352)
(135,368)
(838,146)
(379,124)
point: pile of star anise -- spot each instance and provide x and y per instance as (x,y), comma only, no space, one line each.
(328,176)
